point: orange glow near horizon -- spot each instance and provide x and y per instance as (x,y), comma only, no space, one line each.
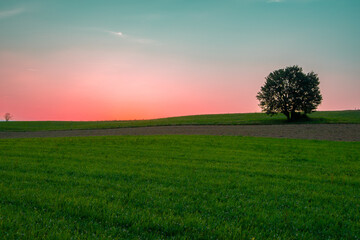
(87,88)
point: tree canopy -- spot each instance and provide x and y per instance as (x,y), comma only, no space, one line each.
(291,92)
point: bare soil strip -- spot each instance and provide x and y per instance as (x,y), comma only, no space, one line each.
(334,132)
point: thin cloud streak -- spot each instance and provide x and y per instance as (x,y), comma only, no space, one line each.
(119,34)
(131,38)
(10,13)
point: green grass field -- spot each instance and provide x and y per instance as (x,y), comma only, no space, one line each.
(244,118)
(181,187)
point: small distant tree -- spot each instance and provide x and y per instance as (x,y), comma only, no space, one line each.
(7,117)
(291,92)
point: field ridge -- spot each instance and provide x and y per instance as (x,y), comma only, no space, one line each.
(321,117)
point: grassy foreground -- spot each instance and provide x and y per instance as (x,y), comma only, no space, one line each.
(190,187)
(217,119)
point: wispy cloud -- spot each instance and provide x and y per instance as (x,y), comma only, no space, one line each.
(119,34)
(132,38)
(10,13)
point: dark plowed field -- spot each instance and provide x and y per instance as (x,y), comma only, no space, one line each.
(335,132)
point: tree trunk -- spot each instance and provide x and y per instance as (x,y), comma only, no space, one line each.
(293,115)
(287,114)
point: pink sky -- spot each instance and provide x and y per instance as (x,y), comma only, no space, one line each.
(90,86)
(78,85)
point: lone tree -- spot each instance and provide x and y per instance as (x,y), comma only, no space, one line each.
(291,92)
(7,117)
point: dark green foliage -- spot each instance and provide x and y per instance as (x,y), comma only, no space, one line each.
(223,119)
(291,92)
(179,187)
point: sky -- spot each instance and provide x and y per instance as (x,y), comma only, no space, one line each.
(140,59)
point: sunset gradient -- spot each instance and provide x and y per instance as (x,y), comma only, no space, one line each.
(132,59)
